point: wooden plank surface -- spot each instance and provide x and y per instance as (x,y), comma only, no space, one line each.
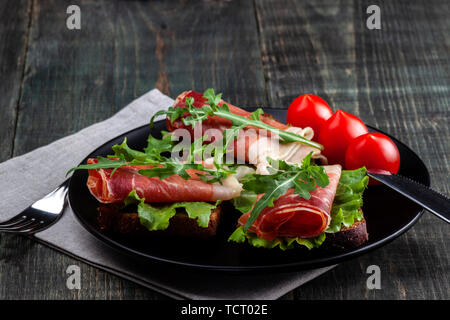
(14,38)
(396,79)
(76,78)
(264,52)
(124,49)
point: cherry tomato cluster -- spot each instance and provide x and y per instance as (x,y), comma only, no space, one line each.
(345,137)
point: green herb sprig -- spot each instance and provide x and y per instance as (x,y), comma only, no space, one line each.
(283,176)
(163,166)
(212,108)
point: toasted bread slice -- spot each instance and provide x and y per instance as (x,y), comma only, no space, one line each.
(348,237)
(111,219)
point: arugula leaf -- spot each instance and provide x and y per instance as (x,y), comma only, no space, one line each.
(256,114)
(345,210)
(102,163)
(155,147)
(189,101)
(158,217)
(211,108)
(240,236)
(212,98)
(163,167)
(169,169)
(124,155)
(284,176)
(174,114)
(197,115)
(124,152)
(277,189)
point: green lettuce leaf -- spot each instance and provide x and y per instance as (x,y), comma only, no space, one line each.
(302,180)
(157,217)
(345,210)
(240,236)
(348,200)
(201,211)
(245,202)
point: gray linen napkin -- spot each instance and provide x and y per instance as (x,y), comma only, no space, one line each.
(21,184)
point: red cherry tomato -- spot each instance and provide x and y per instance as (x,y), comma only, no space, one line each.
(337,133)
(309,110)
(375,151)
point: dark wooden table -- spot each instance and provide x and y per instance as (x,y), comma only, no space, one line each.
(55,81)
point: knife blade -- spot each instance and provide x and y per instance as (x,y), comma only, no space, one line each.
(429,199)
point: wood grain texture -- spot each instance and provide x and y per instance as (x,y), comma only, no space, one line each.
(14,23)
(264,52)
(75,78)
(396,79)
(78,77)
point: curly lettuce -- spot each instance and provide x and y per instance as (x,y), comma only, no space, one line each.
(158,217)
(240,236)
(346,210)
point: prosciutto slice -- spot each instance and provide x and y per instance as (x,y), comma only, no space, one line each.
(253,145)
(255,148)
(216,122)
(292,216)
(114,189)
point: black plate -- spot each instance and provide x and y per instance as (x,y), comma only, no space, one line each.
(388,215)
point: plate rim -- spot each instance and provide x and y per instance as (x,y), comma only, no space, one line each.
(287,267)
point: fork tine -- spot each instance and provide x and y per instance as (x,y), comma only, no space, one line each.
(13,221)
(36,227)
(19,226)
(41,214)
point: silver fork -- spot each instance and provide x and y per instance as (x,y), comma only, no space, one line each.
(41,214)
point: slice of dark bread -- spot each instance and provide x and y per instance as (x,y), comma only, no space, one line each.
(348,237)
(127,223)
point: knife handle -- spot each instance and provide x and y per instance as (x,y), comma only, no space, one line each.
(431,200)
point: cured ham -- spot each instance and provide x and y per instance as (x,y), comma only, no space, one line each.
(215,122)
(114,189)
(255,148)
(292,216)
(253,145)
